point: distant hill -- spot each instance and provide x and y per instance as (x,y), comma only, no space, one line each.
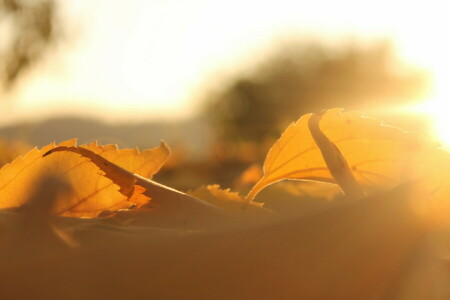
(195,136)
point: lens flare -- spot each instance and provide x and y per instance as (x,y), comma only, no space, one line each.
(441,122)
(438,112)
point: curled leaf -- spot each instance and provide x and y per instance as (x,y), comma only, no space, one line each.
(225,199)
(335,161)
(121,165)
(93,192)
(95,173)
(293,156)
(139,189)
(378,156)
(145,163)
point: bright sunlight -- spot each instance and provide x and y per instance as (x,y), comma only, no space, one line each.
(437,106)
(437,110)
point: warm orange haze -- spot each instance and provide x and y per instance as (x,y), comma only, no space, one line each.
(139,60)
(211,149)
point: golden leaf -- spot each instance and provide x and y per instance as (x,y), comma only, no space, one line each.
(145,163)
(119,176)
(225,199)
(377,155)
(93,193)
(96,173)
(121,165)
(166,201)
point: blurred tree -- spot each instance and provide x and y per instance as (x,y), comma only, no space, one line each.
(310,77)
(28,30)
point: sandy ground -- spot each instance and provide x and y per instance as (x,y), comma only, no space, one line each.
(374,248)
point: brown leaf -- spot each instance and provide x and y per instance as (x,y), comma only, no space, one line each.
(227,200)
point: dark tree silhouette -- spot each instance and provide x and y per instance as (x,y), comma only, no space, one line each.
(309,77)
(31,31)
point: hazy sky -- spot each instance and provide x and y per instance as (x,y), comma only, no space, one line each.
(139,59)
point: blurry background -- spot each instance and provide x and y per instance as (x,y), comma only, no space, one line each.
(218,80)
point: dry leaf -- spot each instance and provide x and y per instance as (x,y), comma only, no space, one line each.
(379,156)
(173,209)
(225,199)
(170,203)
(99,184)
(119,176)
(295,155)
(145,163)
(335,161)
(93,193)
(121,165)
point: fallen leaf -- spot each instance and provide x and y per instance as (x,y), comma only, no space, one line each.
(170,203)
(335,161)
(93,193)
(226,199)
(98,187)
(378,156)
(121,165)
(119,176)
(145,163)
(173,209)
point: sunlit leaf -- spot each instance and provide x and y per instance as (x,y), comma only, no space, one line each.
(378,156)
(145,163)
(93,193)
(138,189)
(225,199)
(96,173)
(119,176)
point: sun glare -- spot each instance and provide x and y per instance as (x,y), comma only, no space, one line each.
(437,110)
(437,107)
(431,52)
